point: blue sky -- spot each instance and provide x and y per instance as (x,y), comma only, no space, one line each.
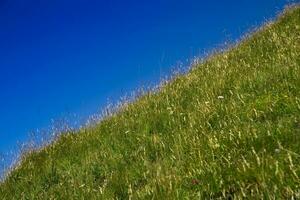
(62,58)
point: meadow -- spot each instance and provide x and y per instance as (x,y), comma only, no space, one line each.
(229,128)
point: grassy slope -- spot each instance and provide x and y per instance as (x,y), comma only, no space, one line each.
(184,141)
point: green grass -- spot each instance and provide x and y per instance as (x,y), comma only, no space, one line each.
(185,140)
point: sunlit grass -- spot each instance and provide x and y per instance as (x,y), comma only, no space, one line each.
(229,128)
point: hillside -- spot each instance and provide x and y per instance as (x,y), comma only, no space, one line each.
(229,128)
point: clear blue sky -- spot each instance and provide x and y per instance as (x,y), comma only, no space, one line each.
(67,57)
